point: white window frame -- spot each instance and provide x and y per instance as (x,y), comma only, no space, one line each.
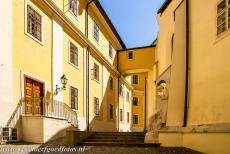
(137,79)
(226,10)
(76,66)
(95,24)
(71,86)
(110,50)
(41,42)
(96,107)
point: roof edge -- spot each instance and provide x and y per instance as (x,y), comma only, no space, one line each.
(164,6)
(135,48)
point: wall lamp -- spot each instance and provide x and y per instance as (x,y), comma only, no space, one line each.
(63,82)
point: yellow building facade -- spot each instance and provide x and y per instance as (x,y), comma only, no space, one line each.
(63,65)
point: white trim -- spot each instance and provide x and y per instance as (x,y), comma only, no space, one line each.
(73,86)
(26,3)
(75,66)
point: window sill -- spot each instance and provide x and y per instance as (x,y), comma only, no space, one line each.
(75,110)
(75,66)
(71,12)
(222,36)
(35,39)
(96,81)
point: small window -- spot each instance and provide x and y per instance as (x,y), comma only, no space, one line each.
(223,16)
(121,90)
(110,111)
(95,31)
(121,115)
(34,23)
(73,6)
(135,79)
(127,97)
(74,98)
(135,101)
(130,55)
(127,117)
(96,72)
(73,54)
(110,50)
(135,119)
(110,83)
(96,105)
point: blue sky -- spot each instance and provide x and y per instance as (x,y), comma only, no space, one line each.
(135,20)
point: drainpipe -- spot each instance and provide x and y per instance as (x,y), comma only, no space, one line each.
(145,106)
(187,65)
(118,89)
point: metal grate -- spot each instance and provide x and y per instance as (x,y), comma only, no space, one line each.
(8,134)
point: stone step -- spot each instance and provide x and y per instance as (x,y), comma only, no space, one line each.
(119,144)
(117,137)
(113,140)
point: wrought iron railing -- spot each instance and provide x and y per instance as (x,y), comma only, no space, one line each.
(44,107)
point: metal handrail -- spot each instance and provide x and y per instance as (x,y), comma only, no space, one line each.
(45,107)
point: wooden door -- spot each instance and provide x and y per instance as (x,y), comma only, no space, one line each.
(33,96)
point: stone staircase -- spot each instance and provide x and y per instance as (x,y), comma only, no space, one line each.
(116,139)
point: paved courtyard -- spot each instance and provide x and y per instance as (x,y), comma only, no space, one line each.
(51,149)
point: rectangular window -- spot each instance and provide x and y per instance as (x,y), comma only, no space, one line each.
(223,16)
(135,119)
(95,31)
(127,97)
(127,117)
(135,79)
(110,50)
(74,98)
(96,72)
(130,55)
(73,6)
(121,90)
(96,105)
(34,23)
(121,115)
(73,54)
(110,111)
(135,101)
(110,83)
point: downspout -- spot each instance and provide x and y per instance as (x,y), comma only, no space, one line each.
(87,63)
(187,65)
(145,107)
(118,98)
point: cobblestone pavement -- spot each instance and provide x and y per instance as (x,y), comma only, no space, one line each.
(51,149)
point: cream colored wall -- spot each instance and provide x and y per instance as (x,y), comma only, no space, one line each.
(73,73)
(165,35)
(30,56)
(176,101)
(139,110)
(137,63)
(210,67)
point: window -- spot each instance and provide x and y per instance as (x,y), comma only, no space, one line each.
(135,119)
(34,23)
(96,72)
(127,96)
(96,105)
(73,6)
(127,117)
(135,79)
(74,98)
(223,16)
(130,55)
(110,50)
(120,90)
(121,115)
(111,83)
(135,101)
(95,31)
(110,111)
(73,54)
